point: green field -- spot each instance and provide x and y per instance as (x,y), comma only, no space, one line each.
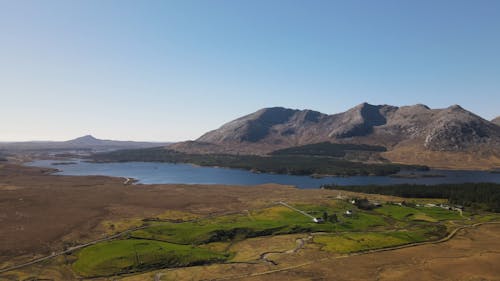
(271,221)
(168,244)
(405,213)
(131,255)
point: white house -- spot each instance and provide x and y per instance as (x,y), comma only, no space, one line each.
(318,220)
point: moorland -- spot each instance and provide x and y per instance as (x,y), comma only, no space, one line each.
(185,232)
(58,227)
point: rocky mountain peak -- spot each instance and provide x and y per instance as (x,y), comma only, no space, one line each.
(456,129)
(456,107)
(358,121)
(250,128)
(275,115)
(422,106)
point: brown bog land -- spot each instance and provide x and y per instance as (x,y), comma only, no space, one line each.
(41,213)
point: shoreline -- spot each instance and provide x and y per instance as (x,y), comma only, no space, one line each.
(208,177)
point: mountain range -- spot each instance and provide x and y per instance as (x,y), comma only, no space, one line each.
(87,142)
(448,138)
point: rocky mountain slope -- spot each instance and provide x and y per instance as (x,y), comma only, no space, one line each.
(411,130)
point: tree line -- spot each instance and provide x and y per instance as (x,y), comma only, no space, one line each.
(484,196)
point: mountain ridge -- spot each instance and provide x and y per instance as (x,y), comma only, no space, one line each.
(451,130)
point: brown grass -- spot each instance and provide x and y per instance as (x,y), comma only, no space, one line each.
(41,213)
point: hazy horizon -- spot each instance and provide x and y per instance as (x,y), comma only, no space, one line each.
(173,70)
(153,140)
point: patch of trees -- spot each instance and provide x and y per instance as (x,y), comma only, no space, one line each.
(278,164)
(327,149)
(242,232)
(364,204)
(333,218)
(485,196)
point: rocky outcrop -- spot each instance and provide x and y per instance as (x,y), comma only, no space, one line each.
(455,129)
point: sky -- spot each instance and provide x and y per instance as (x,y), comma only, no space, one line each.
(172,70)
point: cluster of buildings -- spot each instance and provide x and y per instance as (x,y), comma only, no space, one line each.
(374,204)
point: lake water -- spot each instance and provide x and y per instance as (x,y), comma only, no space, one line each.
(161,173)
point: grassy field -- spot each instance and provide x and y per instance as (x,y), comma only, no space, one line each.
(468,257)
(270,221)
(241,237)
(131,255)
(275,220)
(405,213)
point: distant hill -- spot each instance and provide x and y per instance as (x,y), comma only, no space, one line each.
(496,121)
(449,137)
(87,142)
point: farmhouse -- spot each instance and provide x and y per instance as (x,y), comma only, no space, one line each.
(318,220)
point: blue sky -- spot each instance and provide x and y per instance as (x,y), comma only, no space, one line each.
(171,70)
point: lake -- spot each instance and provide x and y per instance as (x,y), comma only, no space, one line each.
(163,173)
